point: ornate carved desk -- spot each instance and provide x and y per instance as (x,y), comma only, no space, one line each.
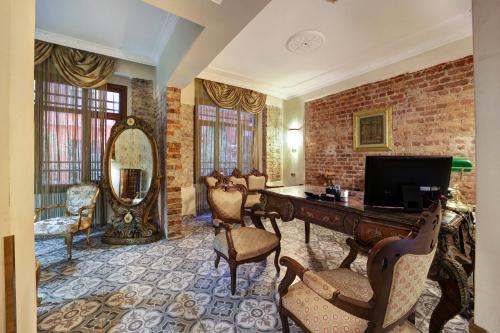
(368,225)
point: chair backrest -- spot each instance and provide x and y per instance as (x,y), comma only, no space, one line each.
(237,178)
(215,177)
(78,196)
(398,268)
(227,202)
(256,180)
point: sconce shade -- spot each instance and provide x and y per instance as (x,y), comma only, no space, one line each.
(459,164)
(294,138)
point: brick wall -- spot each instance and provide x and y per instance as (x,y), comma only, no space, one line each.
(186,175)
(272,124)
(173,162)
(433,114)
(159,126)
(143,101)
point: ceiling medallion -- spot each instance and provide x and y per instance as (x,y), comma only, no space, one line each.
(305,41)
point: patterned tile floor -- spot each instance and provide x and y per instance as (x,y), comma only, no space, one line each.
(172,286)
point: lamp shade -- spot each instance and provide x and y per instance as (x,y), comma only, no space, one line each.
(459,164)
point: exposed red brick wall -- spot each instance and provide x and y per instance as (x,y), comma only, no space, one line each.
(173,161)
(433,114)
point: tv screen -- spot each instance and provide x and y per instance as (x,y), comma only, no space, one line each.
(412,182)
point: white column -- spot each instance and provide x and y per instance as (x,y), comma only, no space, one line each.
(17,28)
(486,36)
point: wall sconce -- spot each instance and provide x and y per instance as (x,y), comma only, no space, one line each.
(294,138)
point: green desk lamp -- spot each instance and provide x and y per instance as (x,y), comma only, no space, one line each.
(460,165)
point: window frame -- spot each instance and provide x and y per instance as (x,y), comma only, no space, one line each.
(122,91)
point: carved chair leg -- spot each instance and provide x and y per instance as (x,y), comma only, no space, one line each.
(217,260)
(284,322)
(69,244)
(88,236)
(277,259)
(232,268)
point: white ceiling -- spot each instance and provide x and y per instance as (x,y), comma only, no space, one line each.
(127,29)
(360,36)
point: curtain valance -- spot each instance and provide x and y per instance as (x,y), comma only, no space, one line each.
(77,67)
(231,97)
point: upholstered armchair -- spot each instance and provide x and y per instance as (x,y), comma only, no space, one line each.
(78,214)
(342,300)
(242,244)
(215,177)
(255,183)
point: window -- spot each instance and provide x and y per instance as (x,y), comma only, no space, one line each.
(226,139)
(74,130)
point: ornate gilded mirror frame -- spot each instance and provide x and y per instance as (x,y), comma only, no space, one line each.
(131,223)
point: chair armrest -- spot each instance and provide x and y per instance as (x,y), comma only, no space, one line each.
(228,227)
(321,287)
(293,269)
(41,209)
(88,207)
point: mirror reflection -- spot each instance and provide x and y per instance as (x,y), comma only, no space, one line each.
(131,166)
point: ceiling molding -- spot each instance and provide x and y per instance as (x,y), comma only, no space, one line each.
(219,75)
(455,32)
(166,31)
(80,44)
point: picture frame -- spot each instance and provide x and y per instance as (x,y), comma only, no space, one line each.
(372,130)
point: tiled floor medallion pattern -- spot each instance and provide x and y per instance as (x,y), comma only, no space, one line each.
(172,286)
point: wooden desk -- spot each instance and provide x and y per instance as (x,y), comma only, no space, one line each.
(368,225)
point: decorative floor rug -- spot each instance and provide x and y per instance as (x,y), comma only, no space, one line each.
(172,285)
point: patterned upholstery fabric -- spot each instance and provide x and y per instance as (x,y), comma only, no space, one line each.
(318,315)
(79,196)
(252,200)
(408,281)
(349,283)
(248,242)
(256,183)
(54,226)
(211,181)
(228,204)
(319,285)
(236,181)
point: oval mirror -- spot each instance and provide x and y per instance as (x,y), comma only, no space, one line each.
(131,166)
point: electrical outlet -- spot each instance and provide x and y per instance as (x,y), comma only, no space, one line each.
(292,174)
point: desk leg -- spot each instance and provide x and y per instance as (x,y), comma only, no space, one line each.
(454,292)
(257,222)
(307,226)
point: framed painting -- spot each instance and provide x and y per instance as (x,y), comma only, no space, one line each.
(372,130)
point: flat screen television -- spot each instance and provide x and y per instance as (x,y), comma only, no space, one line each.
(409,182)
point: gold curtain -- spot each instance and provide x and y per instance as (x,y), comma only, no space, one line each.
(231,97)
(226,137)
(70,134)
(79,68)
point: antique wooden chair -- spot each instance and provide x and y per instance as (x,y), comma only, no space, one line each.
(342,300)
(212,179)
(78,214)
(242,244)
(255,183)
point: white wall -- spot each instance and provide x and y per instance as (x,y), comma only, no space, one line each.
(486,30)
(17,31)
(294,108)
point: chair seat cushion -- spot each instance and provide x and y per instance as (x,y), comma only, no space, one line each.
(248,242)
(252,200)
(60,225)
(318,315)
